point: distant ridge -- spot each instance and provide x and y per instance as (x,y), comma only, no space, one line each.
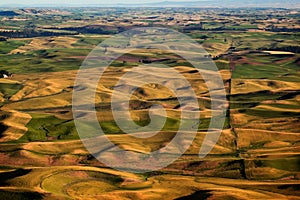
(203,4)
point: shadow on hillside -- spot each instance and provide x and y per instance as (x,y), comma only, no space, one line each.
(5,176)
(2,129)
(201,194)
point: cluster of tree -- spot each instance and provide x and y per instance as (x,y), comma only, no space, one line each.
(294,49)
(26,33)
(94,29)
(221,28)
(8,13)
(193,28)
(282,29)
(5,74)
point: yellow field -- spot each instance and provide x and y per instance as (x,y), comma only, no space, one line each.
(78,182)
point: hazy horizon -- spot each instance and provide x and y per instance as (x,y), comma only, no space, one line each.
(153,3)
(80,2)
